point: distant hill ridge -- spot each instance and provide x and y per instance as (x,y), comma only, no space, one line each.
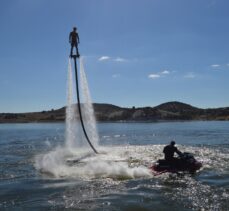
(108,112)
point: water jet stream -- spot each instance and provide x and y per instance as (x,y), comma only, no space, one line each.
(70,111)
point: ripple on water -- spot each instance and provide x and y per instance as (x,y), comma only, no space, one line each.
(109,180)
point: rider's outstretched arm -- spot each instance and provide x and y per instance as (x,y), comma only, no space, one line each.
(179,152)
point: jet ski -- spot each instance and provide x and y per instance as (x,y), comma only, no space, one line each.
(184,163)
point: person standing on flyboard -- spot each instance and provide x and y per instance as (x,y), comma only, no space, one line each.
(74,40)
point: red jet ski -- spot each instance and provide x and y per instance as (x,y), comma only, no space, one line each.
(184,163)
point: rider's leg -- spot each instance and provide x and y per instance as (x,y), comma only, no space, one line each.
(71,49)
(77,51)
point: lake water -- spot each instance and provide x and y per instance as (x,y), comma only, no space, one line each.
(37,171)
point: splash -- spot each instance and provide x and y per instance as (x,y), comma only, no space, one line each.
(117,163)
(75,158)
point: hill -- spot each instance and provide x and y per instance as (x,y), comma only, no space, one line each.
(107,112)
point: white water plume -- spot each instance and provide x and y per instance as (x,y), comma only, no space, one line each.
(75,158)
(88,110)
(117,163)
(74,134)
(70,119)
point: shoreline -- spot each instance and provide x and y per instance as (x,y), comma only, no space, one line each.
(170,111)
(129,122)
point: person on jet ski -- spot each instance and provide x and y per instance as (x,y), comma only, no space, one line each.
(169,151)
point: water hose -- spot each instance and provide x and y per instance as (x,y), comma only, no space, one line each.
(79,106)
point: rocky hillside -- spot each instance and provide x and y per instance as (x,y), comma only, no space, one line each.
(108,112)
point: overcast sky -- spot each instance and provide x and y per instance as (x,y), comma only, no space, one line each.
(137,52)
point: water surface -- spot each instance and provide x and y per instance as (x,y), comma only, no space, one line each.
(38,172)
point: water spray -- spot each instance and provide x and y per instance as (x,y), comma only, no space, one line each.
(74,57)
(74,41)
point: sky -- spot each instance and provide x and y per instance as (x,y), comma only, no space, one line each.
(136,52)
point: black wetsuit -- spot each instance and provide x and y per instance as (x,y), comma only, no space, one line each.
(74,40)
(169,151)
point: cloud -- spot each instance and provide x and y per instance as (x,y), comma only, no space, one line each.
(190,75)
(159,74)
(104,58)
(215,65)
(154,76)
(165,72)
(116,75)
(119,59)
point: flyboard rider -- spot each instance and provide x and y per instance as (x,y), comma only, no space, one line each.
(74,40)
